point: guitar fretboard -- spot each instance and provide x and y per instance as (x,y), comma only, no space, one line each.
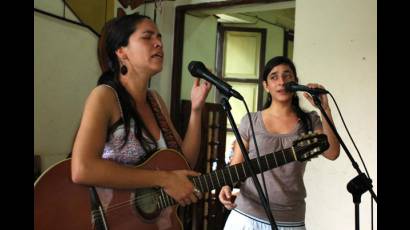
(230,175)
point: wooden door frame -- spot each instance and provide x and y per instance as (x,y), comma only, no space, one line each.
(179,46)
(288,36)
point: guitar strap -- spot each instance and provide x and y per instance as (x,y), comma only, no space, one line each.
(172,138)
(97,213)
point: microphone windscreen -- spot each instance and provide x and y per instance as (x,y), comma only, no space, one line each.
(289,86)
(194,66)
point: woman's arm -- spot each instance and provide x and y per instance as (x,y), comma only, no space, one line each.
(192,139)
(237,156)
(334,147)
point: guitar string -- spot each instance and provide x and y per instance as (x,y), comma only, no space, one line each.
(141,199)
(137,200)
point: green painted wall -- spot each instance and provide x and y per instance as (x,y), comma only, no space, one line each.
(199,45)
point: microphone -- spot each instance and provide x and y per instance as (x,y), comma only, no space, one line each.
(293,87)
(198,69)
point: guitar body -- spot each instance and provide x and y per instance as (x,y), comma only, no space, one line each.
(61,204)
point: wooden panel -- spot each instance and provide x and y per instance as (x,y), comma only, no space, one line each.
(93,13)
(208,213)
(243,50)
(120,12)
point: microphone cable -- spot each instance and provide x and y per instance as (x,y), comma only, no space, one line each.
(347,130)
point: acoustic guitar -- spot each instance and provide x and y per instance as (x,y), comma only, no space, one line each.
(61,204)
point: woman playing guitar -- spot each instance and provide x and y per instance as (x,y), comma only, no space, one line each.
(123,121)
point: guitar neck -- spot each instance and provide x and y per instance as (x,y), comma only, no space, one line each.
(232,174)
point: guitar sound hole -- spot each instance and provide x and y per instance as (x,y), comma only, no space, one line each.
(145,203)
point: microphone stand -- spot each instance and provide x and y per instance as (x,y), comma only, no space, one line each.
(361,183)
(227,107)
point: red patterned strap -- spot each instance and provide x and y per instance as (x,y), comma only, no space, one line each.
(172,138)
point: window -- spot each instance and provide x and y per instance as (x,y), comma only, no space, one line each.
(240,61)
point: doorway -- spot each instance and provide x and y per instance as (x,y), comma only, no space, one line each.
(202,32)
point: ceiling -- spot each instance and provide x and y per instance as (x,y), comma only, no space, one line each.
(281,14)
(283,17)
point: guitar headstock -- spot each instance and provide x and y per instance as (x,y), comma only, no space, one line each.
(310,145)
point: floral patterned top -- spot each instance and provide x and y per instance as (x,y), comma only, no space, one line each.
(132,152)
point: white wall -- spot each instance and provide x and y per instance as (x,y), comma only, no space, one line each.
(335,45)
(65,70)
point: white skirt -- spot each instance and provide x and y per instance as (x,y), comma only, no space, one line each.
(238,220)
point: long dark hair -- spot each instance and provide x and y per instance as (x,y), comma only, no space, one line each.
(304,117)
(116,33)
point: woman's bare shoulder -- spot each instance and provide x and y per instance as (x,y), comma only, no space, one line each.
(103,99)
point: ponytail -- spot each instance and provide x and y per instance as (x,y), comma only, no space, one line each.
(304,117)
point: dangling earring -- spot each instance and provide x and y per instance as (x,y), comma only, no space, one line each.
(123,70)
